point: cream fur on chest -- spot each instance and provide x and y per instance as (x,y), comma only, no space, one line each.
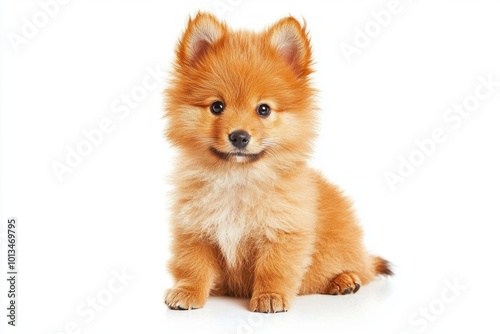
(233,207)
(230,209)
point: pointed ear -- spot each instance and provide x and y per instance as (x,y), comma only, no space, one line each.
(290,40)
(202,32)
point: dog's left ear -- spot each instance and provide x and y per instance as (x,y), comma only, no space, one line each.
(290,40)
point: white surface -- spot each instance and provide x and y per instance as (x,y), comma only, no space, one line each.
(110,212)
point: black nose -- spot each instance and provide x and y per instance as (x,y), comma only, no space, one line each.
(239,138)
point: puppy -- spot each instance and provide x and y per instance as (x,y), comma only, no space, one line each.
(250,218)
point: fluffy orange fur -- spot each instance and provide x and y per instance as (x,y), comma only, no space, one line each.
(254,221)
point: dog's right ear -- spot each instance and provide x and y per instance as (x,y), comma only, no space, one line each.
(201,34)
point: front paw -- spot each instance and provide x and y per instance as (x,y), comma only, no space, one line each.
(184,299)
(269,302)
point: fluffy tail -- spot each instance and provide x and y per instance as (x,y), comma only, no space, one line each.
(381,266)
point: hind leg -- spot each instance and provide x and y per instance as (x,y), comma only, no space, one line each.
(343,284)
(340,263)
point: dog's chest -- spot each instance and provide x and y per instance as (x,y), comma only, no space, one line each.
(229,212)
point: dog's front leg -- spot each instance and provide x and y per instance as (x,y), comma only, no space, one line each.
(194,267)
(279,268)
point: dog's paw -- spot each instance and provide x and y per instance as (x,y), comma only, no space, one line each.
(344,284)
(183,299)
(268,302)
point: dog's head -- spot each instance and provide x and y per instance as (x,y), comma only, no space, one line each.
(241,97)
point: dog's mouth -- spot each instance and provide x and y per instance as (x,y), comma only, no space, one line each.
(239,155)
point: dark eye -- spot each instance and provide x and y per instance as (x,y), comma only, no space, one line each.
(263,110)
(217,108)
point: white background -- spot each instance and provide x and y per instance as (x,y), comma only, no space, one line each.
(110,214)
